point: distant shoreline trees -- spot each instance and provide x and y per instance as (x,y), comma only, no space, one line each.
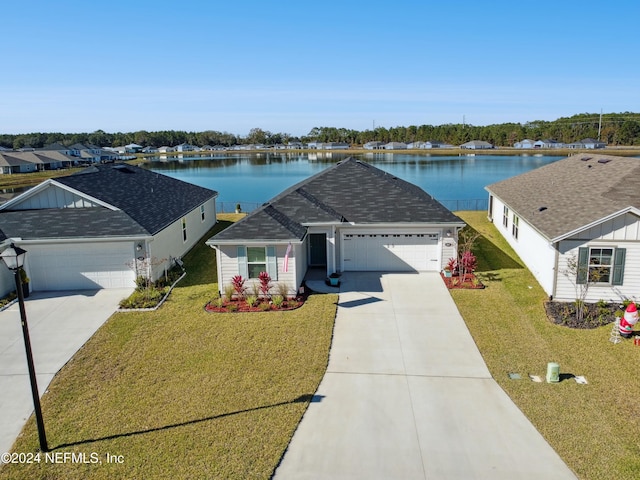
(615,129)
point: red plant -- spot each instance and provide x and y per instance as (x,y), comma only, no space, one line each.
(265,283)
(452,266)
(238,285)
(468,262)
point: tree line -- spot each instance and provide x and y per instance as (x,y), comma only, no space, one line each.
(613,129)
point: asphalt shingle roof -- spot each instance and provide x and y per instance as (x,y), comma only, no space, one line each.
(350,191)
(569,194)
(152,200)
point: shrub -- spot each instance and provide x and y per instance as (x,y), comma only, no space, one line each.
(264,306)
(265,283)
(283,289)
(238,285)
(8,299)
(147,298)
(228,292)
(219,302)
(468,262)
(252,300)
(277,300)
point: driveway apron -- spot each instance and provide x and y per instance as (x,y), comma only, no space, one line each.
(59,324)
(407,395)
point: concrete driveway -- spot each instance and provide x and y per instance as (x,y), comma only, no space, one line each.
(59,324)
(407,395)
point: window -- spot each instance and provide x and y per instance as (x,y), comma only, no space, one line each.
(604,265)
(256,261)
(253,260)
(514,227)
(202,213)
(491,207)
(505,216)
(600,262)
(184,229)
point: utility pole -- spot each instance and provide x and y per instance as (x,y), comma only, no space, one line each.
(600,125)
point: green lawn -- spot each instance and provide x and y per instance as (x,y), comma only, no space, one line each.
(181,393)
(596,427)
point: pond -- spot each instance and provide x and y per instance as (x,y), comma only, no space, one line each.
(251,179)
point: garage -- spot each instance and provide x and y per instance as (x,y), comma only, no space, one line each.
(80,266)
(394,252)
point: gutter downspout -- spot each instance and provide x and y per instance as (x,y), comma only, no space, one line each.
(555,271)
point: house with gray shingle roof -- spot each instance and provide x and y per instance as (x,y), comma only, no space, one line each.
(585,207)
(104,226)
(351,216)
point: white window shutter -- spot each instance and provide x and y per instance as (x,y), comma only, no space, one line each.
(242,262)
(272,263)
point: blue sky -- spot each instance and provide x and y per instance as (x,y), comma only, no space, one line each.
(289,66)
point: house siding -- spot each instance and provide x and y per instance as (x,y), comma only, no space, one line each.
(534,249)
(227,256)
(621,232)
(54,197)
(168,243)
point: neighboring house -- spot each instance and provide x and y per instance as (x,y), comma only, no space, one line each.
(548,143)
(476,145)
(416,145)
(166,149)
(437,144)
(395,146)
(374,145)
(14,162)
(331,146)
(185,147)
(587,143)
(583,207)
(351,216)
(102,227)
(526,143)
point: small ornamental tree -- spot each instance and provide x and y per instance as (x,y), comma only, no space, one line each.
(265,284)
(468,263)
(238,285)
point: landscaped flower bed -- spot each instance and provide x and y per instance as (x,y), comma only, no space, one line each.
(238,299)
(253,305)
(595,314)
(467,281)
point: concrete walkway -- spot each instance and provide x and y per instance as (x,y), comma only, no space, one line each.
(59,324)
(407,395)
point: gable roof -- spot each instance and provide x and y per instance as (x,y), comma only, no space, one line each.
(350,191)
(567,196)
(151,200)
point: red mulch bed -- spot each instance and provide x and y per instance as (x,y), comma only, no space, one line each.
(263,305)
(468,282)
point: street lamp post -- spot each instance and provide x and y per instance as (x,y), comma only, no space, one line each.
(13,257)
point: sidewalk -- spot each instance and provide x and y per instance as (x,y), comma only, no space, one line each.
(407,396)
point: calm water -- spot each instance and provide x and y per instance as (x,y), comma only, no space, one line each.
(251,179)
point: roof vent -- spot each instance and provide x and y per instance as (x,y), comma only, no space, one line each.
(585,159)
(542,209)
(604,160)
(123,169)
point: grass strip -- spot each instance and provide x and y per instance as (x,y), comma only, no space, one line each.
(593,427)
(180,393)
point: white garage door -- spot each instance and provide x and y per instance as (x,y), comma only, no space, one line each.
(80,266)
(390,252)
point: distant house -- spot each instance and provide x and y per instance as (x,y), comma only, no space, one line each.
(526,143)
(295,146)
(587,143)
(548,143)
(349,217)
(415,145)
(437,144)
(395,146)
(185,147)
(476,145)
(26,162)
(104,226)
(581,208)
(333,146)
(375,145)
(149,149)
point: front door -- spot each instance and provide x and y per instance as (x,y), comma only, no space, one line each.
(317,249)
